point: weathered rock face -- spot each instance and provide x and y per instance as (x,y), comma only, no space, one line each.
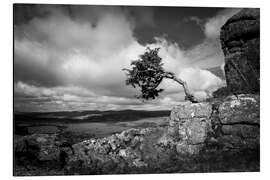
(231,124)
(239,119)
(189,126)
(240,40)
(128,151)
(241,109)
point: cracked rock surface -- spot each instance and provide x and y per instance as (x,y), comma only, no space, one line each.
(240,40)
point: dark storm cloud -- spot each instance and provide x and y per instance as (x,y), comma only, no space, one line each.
(71,56)
(171,22)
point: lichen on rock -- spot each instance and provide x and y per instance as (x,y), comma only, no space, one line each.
(189,126)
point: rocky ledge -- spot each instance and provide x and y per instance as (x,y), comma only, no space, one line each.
(232,124)
(203,137)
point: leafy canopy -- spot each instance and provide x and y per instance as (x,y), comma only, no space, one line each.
(147,73)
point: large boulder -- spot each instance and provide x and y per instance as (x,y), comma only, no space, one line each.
(239,119)
(189,127)
(241,109)
(240,40)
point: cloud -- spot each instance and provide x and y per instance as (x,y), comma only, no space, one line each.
(195,19)
(213,25)
(67,96)
(200,80)
(66,60)
(206,54)
(34,98)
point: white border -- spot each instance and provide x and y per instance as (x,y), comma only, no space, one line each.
(7,81)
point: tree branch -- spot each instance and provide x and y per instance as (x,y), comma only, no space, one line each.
(189,95)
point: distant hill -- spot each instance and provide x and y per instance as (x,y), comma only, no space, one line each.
(87,116)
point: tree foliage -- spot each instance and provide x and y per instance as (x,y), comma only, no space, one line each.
(147,73)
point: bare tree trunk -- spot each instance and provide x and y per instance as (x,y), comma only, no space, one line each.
(189,95)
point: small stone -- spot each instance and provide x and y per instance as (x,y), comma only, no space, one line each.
(122,153)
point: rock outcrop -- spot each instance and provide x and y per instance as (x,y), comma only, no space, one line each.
(202,137)
(232,123)
(239,122)
(189,126)
(113,154)
(132,150)
(240,40)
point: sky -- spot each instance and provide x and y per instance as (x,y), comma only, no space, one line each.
(69,57)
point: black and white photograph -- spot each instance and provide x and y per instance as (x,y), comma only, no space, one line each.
(128,89)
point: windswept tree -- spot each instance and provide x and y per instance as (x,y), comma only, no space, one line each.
(147,73)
